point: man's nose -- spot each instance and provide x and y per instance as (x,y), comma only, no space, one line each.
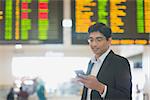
(94,43)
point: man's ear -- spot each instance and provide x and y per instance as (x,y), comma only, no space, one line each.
(109,40)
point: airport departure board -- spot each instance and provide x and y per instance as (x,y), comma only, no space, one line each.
(31,21)
(128,19)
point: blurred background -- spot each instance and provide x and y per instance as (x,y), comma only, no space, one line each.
(42,43)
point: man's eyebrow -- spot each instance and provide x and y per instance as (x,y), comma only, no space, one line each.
(98,37)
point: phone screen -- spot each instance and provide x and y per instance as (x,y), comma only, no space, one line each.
(80,73)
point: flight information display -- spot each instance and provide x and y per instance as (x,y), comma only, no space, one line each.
(128,19)
(31,21)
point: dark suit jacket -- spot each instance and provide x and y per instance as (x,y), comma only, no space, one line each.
(115,73)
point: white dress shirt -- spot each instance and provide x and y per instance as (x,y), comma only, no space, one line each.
(95,69)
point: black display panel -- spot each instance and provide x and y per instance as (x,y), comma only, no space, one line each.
(128,19)
(31,21)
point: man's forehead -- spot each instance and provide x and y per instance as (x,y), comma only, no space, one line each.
(96,34)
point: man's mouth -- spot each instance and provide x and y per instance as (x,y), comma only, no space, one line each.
(95,49)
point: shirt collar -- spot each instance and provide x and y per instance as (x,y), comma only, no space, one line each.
(101,58)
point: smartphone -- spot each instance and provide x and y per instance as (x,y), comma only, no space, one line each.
(80,73)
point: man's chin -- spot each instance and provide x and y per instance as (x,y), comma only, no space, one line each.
(96,53)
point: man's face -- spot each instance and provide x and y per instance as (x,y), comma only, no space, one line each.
(98,43)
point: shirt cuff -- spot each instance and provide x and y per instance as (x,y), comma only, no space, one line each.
(104,93)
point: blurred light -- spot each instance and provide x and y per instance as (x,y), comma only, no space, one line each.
(67,23)
(45,68)
(54,54)
(28,82)
(18,46)
(18,83)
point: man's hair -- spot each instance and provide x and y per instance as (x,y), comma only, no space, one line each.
(102,28)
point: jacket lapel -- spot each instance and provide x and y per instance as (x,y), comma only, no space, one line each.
(105,63)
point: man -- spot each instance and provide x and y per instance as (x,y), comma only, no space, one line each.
(108,74)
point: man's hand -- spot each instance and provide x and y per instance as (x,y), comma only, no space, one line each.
(91,82)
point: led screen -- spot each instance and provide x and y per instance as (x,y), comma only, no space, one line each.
(31,21)
(128,19)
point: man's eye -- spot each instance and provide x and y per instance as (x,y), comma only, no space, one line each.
(99,39)
(90,40)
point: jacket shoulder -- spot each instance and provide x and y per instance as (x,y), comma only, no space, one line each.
(115,58)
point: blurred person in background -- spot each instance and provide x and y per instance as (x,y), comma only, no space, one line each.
(11,94)
(40,89)
(108,75)
(41,93)
(22,95)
